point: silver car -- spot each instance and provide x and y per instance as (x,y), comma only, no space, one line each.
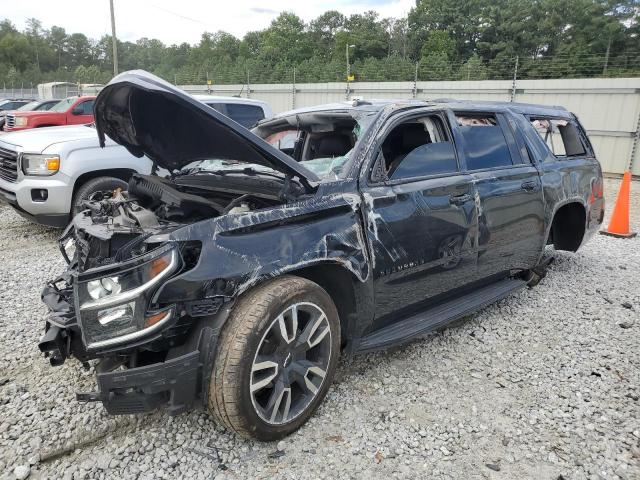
(47,173)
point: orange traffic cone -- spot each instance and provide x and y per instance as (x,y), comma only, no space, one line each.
(619,224)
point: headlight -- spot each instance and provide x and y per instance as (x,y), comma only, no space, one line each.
(20,121)
(36,164)
(103,287)
(112,309)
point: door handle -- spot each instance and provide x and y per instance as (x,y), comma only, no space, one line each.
(529,186)
(460,199)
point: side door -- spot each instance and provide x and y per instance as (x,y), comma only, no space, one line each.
(81,113)
(420,215)
(511,218)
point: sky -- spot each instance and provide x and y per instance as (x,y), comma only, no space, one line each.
(180,21)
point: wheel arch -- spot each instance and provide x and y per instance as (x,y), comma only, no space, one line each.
(568,225)
(123,174)
(340,283)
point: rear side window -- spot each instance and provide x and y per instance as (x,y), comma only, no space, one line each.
(484,140)
(561,136)
(245,115)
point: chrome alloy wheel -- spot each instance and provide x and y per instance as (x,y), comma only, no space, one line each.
(290,363)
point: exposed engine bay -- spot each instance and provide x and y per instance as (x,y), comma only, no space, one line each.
(116,225)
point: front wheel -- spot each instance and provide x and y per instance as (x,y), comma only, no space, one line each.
(95,185)
(276,358)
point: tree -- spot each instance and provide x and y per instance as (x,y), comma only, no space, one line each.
(438,42)
(323,32)
(78,49)
(15,51)
(286,40)
(58,39)
(449,38)
(33,32)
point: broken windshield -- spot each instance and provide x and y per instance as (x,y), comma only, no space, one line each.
(322,142)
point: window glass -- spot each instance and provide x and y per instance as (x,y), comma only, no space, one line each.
(45,106)
(245,115)
(485,143)
(285,140)
(219,107)
(522,146)
(27,107)
(87,107)
(64,105)
(419,148)
(561,136)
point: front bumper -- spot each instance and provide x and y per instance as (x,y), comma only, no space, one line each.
(8,129)
(172,384)
(165,369)
(54,211)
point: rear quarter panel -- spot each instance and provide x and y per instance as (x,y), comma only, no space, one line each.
(566,180)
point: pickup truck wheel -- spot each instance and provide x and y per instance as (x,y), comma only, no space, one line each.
(276,358)
(98,184)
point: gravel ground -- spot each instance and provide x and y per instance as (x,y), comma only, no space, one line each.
(542,385)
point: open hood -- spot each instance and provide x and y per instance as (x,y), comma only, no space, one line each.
(151,117)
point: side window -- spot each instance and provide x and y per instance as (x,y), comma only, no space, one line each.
(561,136)
(86,107)
(220,107)
(485,142)
(418,148)
(523,150)
(284,141)
(245,115)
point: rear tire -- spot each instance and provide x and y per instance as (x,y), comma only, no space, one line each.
(271,372)
(98,184)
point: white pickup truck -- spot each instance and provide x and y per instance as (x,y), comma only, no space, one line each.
(46,173)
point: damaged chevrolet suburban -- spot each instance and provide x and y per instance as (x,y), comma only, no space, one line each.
(237,282)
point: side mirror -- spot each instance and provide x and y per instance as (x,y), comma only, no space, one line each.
(77,111)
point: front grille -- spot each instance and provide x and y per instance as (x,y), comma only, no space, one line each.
(8,165)
(10,122)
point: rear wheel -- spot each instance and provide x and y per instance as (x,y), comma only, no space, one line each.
(95,185)
(276,358)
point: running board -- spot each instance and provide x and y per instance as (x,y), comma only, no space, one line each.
(439,316)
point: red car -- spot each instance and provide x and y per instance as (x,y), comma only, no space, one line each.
(70,111)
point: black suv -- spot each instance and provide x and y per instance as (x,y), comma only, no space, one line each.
(236,282)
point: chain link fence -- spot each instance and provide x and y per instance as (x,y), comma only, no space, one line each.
(396,69)
(391,69)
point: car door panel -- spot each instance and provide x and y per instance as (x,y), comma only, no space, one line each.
(511,219)
(423,238)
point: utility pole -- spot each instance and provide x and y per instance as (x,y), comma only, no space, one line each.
(114,40)
(606,58)
(348,69)
(293,91)
(515,78)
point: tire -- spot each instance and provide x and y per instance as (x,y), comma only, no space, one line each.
(99,184)
(253,327)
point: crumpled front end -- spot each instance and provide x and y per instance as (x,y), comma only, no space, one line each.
(104,308)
